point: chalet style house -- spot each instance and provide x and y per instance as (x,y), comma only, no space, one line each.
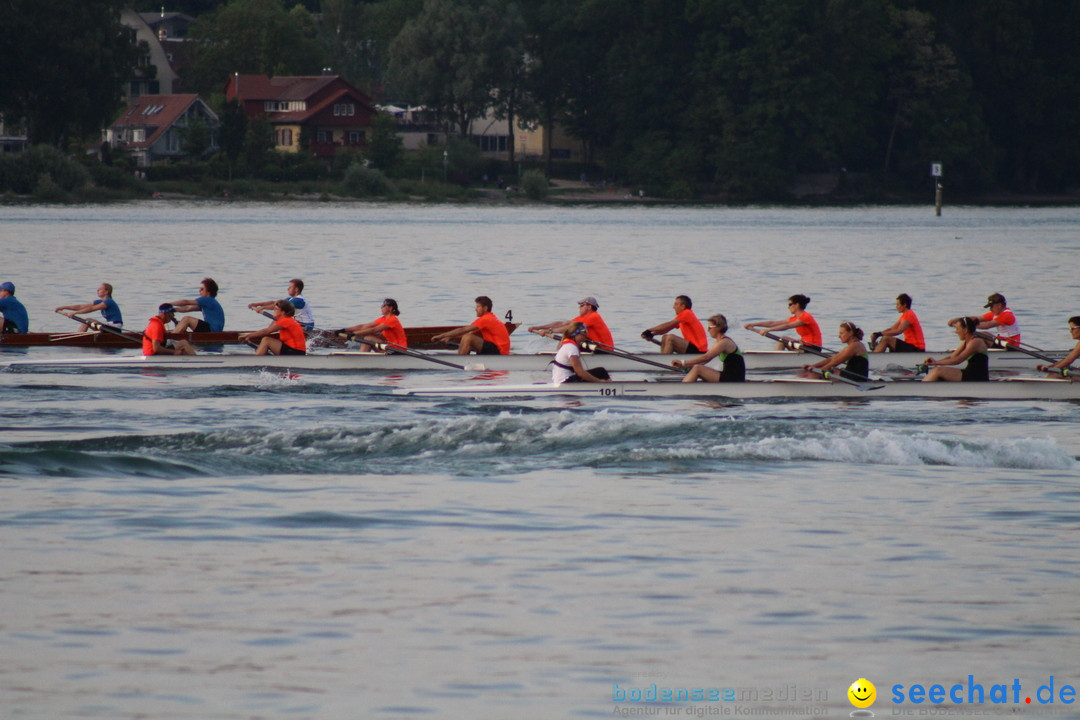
(152,128)
(325,110)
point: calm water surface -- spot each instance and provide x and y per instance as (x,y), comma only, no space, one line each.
(248,545)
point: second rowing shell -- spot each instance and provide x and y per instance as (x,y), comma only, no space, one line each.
(759,361)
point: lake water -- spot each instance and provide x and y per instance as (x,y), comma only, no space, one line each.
(247,545)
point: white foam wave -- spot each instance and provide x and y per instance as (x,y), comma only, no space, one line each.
(880,447)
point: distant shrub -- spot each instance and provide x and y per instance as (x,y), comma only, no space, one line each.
(363,181)
(534,185)
(48,189)
(21,173)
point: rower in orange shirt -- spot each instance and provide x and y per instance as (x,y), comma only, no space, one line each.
(291,338)
(154,335)
(595,326)
(801,321)
(384,329)
(1000,317)
(487,335)
(908,325)
(693,340)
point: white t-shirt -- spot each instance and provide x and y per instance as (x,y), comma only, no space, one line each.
(566,351)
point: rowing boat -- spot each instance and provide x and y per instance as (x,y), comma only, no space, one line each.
(782,389)
(355,361)
(419,337)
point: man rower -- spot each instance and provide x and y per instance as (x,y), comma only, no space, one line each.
(693,338)
(908,325)
(14,312)
(103,304)
(487,335)
(595,326)
(213,314)
(1000,317)
(295,292)
(387,328)
(154,335)
(291,339)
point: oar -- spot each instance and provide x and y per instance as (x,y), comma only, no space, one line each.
(385,346)
(839,377)
(812,349)
(593,345)
(998,342)
(133,335)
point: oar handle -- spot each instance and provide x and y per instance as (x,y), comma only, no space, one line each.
(798,345)
(838,375)
(105,327)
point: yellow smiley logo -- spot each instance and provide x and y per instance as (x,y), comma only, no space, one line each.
(862,693)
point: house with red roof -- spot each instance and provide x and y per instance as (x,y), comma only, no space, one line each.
(153,127)
(328,111)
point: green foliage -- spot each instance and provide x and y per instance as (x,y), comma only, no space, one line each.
(258,144)
(534,185)
(62,65)
(253,37)
(22,172)
(453,55)
(384,148)
(363,181)
(195,137)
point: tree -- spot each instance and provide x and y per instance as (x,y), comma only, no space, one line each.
(450,58)
(232,132)
(254,37)
(63,65)
(384,148)
(196,137)
(258,144)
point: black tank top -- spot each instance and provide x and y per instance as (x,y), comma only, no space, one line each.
(977,368)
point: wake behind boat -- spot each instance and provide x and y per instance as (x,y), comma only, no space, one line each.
(355,361)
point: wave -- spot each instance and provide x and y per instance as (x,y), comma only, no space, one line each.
(510,442)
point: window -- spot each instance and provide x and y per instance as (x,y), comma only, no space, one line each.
(324,136)
(356,137)
(284,137)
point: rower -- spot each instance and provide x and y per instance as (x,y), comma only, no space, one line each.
(587,313)
(908,324)
(213,314)
(733,366)
(971,348)
(154,335)
(1000,317)
(386,328)
(103,304)
(14,312)
(567,366)
(801,321)
(693,338)
(1061,365)
(853,355)
(291,339)
(485,336)
(295,293)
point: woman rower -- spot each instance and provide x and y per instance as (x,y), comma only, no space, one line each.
(291,339)
(801,321)
(733,367)
(1060,365)
(567,367)
(971,348)
(854,354)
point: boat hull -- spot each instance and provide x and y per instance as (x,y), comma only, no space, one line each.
(354,361)
(419,337)
(778,389)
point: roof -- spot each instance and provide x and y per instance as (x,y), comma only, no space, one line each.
(156,113)
(288,87)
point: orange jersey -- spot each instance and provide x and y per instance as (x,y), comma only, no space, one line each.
(913,332)
(691,330)
(596,328)
(809,331)
(493,331)
(1008,329)
(155,330)
(291,333)
(393,333)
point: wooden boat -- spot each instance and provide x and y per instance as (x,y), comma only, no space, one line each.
(355,361)
(419,337)
(776,389)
